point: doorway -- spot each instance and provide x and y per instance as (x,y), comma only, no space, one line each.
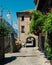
(30,42)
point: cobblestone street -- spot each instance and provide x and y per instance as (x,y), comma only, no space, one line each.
(26,56)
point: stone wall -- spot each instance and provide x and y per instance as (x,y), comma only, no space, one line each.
(10,45)
(41,41)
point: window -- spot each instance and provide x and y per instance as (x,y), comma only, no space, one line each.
(22,29)
(22,18)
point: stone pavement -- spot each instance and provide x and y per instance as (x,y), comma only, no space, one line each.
(26,56)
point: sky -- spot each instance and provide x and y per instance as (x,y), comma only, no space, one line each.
(15,6)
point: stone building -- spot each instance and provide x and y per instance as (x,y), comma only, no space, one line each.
(24,19)
(8,43)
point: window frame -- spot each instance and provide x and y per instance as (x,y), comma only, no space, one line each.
(22,19)
(22,29)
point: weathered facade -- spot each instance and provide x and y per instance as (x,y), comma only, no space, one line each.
(8,40)
(24,19)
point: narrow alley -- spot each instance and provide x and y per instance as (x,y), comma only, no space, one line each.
(26,56)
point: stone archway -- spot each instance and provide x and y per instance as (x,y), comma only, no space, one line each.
(30,41)
(35,39)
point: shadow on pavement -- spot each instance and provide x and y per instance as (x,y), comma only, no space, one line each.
(8,60)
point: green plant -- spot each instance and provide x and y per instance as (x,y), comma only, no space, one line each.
(48,51)
(37,22)
(43,23)
(48,28)
(4,30)
(48,23)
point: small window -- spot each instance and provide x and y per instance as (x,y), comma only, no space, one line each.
(22,29)
(22,18)
(30,18)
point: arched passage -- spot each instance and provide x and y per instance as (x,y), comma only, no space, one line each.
(31,38)
(31,41)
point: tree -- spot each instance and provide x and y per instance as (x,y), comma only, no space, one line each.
(4,29)
(37,22)
(48,28)
(43,23)
(48,23)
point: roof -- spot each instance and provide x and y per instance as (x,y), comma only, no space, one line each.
(24,12)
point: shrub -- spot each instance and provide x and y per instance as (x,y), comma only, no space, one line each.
(4,30)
